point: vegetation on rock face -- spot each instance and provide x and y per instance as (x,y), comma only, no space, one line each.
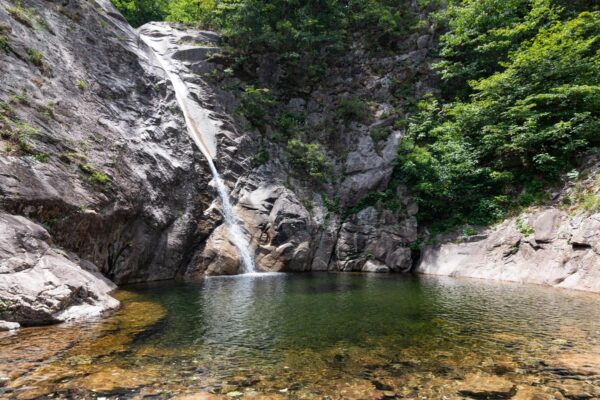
(138,12)
(521,106)
(309,158)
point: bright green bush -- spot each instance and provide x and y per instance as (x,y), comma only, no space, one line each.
(254,104)
(308,159)
(532,112)
(35,57)
(138,12)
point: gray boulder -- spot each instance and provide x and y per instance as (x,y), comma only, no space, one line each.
(41,284)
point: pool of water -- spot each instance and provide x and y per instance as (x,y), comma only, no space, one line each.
(318,336)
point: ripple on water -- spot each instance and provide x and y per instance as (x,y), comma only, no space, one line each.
(314,335)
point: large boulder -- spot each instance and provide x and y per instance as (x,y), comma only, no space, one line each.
(41,284)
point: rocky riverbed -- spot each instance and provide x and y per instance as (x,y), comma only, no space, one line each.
(314,336)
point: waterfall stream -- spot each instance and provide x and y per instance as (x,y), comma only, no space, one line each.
(197,123)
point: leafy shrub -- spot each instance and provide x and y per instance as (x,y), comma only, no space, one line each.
(138,12)
(4,43)
(22,134)
(353,110)
(467,231)
(35,57)
(81,84)
(380,134)
(532,112)
(254,103)
(262,157)
(41,157)
(308,159)
(94,175)
(524,227)
(590,202)
(290,124)
(386,199)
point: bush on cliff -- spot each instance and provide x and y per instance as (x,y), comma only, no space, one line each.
(526,109)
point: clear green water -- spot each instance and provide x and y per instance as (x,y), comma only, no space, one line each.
(316,335)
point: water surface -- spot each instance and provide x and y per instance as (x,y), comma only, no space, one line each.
(319,336)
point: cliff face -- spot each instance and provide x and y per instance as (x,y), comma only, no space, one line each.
(553,245)
(92,154)
(98,175)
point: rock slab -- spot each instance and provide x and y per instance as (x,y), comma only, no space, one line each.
(40,284)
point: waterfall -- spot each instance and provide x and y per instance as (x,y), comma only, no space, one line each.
(196,123)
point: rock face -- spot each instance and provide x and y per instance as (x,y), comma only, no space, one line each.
(40,284)
(106,167)
(548,247)
(93,147)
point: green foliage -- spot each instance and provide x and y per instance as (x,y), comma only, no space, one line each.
(332,205)
(386,199)
(81,84)
(94,175)
(530,109)
(590,202)
(353,110)
(290,124)
(254,103)
(138,12)
(4,43)
(21,14)
(17,132)
(380,134)
(40,157)
(467,231)
(262,157)
(203,13)
(308,159)
(35,57)
(5,304)
(524,227)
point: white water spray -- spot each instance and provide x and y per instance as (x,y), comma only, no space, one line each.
(198,123)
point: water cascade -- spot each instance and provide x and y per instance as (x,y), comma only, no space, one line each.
(198,122)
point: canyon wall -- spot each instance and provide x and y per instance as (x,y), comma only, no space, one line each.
(99,178)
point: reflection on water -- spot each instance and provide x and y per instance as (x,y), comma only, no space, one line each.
(311,336)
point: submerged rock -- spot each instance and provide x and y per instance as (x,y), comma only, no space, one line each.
(483,386)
